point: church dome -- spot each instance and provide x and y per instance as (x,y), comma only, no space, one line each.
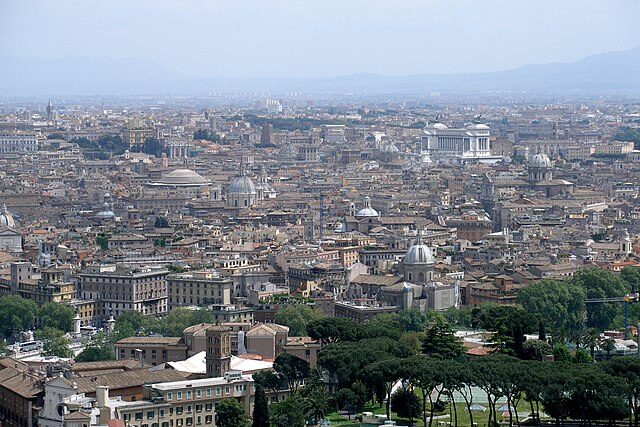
(367,211)
(540,160)
(106,213)
(242,184)
(391,148)
(418,253)
(183,178)
(440,126)
(6,219)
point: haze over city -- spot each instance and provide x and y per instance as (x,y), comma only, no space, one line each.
(267,38)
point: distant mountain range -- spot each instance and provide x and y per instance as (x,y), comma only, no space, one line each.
(601,74)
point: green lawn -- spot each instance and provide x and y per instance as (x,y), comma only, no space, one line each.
(479,418)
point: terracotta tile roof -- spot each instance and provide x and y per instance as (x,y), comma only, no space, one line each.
(150,340)
(21,383)
(128,379)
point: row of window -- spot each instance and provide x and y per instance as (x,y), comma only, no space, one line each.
(208,420)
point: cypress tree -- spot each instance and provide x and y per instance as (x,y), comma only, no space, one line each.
(260,409)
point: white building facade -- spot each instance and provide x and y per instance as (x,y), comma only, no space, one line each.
(471,143)
(18,142)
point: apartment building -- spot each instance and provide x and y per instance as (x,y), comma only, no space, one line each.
(198,288)
(18,142)
(119,289)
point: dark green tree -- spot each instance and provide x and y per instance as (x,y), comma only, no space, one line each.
(334,329)
(561,353)
(128,324)
(629,134)
(99,349)
(288,413)
(112,143)
(535,350)
(297,317)
(600,283)
(271,381)
(260,408)
(631,275)
(54,342)
(161,222)
(178,319)
(56,315)
(385,373)
(627,370)
(153,147)
(591,338)
(230,413)
(314,398)
(16,313)
(510,323)
(560,306)
(291,369)
(346,400)
(102,241)
(440,342)
(405,403)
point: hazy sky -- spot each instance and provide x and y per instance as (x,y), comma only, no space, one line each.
(287,38)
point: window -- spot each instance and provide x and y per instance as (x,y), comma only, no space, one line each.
(218,391)
(198,408)
(208,407)
(150,415)
(179,395)
(198,393)
(208,419)
(161,413)
(179,410)
(138,416)
(169,396)
(189,394)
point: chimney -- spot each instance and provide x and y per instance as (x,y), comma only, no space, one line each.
(102,396)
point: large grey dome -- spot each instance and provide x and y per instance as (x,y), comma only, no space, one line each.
(418,253)
(6,219)
(391,148)
(105,213)
(183,178)
(242,185)
(540,160)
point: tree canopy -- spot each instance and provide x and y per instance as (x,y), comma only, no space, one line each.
(560,306)
(54,342)
(55,315)
(230,413)
(16,313)
(297,318)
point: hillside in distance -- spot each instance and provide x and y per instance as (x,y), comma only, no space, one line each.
(606,73)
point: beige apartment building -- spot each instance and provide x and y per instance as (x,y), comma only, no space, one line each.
(181,403)
(198,288)
(119,289)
